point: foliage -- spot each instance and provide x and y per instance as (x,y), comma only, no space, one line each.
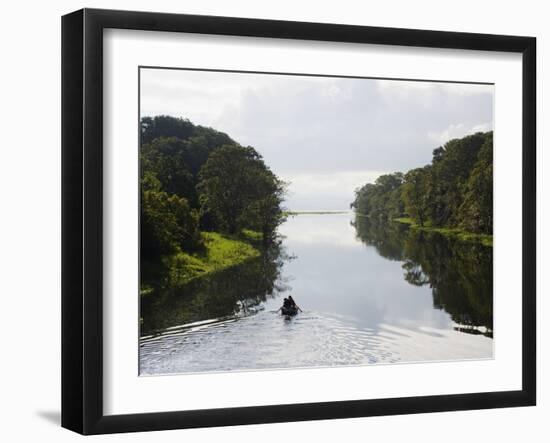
(452,166)
(168,223)
(382,199)
(454,191)
(165,158)
(476,211)
(182,129)
(414,193)
(194,179)
(457,233)
(240,191)
(234,290)
(220,252)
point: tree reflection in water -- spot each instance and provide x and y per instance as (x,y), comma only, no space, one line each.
(459,273)
(236,291)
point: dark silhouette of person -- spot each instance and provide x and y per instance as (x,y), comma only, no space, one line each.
(287,303)
(293,303)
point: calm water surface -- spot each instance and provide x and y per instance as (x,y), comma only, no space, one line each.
(370,294)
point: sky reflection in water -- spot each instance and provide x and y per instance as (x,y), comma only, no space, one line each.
(369,294)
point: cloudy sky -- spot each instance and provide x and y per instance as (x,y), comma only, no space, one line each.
(326,136)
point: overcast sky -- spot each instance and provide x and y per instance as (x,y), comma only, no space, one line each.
(326,136)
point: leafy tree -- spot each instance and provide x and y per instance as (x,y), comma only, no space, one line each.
(240,191)
(477,208)
(165,126)
(175,150)
(168,224)
(265,213)
(455,190)
(165,158)
(180,161)
(451,167)
(381,200)
(415,193)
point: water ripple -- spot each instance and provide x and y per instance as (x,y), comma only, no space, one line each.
(262,341)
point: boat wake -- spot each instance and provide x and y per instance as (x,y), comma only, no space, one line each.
(263,341)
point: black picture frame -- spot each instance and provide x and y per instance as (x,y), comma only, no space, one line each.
(82,218)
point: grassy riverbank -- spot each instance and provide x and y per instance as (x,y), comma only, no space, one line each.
(220,252)
(484,239)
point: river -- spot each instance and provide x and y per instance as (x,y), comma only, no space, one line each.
(369,294)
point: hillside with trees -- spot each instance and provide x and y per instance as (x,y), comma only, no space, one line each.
(206,202)
(454,193)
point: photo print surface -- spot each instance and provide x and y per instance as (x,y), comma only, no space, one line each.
(298,221)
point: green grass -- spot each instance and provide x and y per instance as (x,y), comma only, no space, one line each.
(484,239)
(221,252)
(254,236)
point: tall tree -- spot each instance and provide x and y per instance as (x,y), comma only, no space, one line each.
(415,193)
(476,211)
(240,191)
(165,157)
(265,212)
(451,167)
(380,200)
(455,190)
(168,223)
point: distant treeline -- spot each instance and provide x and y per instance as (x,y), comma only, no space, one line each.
(193,179)
(455,190)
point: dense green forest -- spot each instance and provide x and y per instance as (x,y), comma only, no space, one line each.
(454,191)
(206,202)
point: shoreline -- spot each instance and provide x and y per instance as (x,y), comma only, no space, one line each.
(466,236)
(221,252)
(460,234)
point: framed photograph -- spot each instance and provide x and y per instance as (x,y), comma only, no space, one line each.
(269,221)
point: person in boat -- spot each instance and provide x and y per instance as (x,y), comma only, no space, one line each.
(287,304)
(293,303)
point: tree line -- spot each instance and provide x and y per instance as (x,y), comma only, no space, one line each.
(454,190)
(193,179)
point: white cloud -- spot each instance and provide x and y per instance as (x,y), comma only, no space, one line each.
(457,131)
(408,88)
(334,191)
(483,127)
(323,134)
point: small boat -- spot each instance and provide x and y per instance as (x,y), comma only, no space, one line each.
(290,312)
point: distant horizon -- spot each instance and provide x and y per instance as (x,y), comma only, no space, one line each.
(326,136)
